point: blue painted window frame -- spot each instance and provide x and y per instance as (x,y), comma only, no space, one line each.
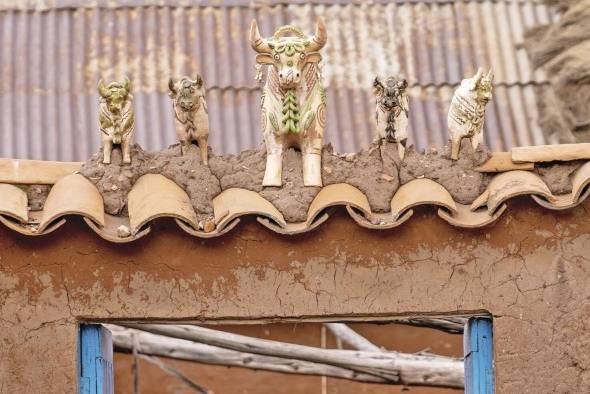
(95,355)
(478,352)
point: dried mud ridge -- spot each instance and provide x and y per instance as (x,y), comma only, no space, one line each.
(377,171)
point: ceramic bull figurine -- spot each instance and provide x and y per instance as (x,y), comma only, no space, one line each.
(293,100)
(190,111)
(116,118)
(466,114)
(392,106)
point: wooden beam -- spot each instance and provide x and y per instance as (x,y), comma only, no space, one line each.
(35,172)
(501,162)
(351,337)
(542,153)
(179,349)
(408,369)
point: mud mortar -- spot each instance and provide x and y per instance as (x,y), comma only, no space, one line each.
(246,170)
(459,177)
(114,181)
(374,171)
(366,170)
(36,195)
(558,175)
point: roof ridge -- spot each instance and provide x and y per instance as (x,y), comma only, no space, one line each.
(154,196)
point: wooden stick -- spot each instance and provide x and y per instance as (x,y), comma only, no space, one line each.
(408,369)
(180,349)
(135,366)
(174,372)
(35,172)
(541,153)
(351,337)
(451,325)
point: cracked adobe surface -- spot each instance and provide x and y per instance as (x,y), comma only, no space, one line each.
(530,270)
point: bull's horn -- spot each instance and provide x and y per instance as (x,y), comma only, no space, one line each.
(490,75)
(172,85)
(199,80)
(127,84)
(258,43)
(320,37)
(102,90)
(478,75)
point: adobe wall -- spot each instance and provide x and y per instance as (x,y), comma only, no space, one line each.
(529,270)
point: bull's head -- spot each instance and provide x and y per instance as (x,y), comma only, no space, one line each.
(481,86)
(288,54)
(187,92)
(115,94)
(390,93)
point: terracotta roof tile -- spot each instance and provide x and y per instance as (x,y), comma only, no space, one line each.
(233,203)
(466,218)
(580,191)
(421,192)
(511,184)
(13,202)
(154,196)
(72,195)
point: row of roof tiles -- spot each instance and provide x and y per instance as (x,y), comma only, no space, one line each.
(154,196)
(52,60)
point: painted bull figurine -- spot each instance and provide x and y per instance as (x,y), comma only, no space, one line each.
(116,118)
(293,100)
(466,114)
(190,111)
(392,106)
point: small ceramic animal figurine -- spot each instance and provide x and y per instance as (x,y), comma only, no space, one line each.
(116,118)
(392,108)
(190,111)
(466,114)
(293,99)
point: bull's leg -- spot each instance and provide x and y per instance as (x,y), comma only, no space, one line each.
(455,146)
(273,174)
(312,160)
(312,169)
(203,146)
(401,149)
(476,139)
(107,148)
(183,137)
(126,148)
(184,146)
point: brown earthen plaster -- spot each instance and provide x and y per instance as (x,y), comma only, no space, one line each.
(377,171)
(529,270)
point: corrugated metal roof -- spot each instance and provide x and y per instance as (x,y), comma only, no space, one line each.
(53,55)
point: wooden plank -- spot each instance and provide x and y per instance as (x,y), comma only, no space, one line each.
(478,352)
(96,360)
(541,153)
(35,172)
(501,162)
